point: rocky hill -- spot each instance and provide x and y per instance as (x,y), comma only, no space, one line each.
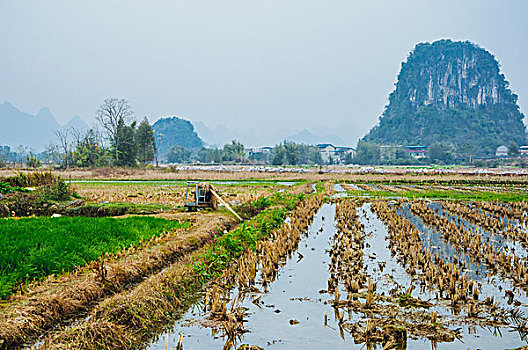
(175,131)
(451,92)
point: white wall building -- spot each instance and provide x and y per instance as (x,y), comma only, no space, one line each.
(502,151)
(326,150)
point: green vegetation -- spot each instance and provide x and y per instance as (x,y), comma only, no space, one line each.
(291,153)
(436,101)
(57,191)
(232,152)
(175,131)
(32,179)
(32,248)
(5,187)
(88,152)
(32,161)
(112,209)
(178,154)
(285,153)
(145,143)
(231,245)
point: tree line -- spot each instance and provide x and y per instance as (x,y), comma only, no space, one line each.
(285,153)
(117,140)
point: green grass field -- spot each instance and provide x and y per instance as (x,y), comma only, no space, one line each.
(32,248)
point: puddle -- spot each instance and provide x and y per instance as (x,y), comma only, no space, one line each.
(381,266)
(294,295)
(341,192)
(353,187)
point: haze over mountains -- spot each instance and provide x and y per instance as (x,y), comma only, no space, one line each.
(345,134)
(36,131)
(33,131)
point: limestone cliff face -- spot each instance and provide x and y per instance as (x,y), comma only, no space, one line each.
(446,72)
(451,92)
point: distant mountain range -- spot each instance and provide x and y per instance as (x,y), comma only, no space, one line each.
(307,137)
(341,135)
(33,131)
(36,131)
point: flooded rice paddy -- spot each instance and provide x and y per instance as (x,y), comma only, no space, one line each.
(348,284)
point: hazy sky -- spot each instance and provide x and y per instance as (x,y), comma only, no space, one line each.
(245,64)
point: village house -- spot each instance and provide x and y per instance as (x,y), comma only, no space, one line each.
(337,153)
(259,150)
(416,151)
(326,150)
(502,151)
(342,152)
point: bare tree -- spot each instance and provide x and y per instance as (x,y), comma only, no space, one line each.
(77,135)
(51,151)
(112,114)
(21,152)
(63,138)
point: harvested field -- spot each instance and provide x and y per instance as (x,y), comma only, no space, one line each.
(392,263)
(170,193)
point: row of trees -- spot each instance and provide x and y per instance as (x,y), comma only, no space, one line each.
(371,154)
(437,153)
(232,152)
(118,140)
(285,153)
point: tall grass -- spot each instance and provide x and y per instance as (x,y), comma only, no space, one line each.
(33,248)
(31,179)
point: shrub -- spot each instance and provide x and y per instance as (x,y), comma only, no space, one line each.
(59,191)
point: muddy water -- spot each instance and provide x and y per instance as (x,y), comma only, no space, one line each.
(383,268)
(295,295)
